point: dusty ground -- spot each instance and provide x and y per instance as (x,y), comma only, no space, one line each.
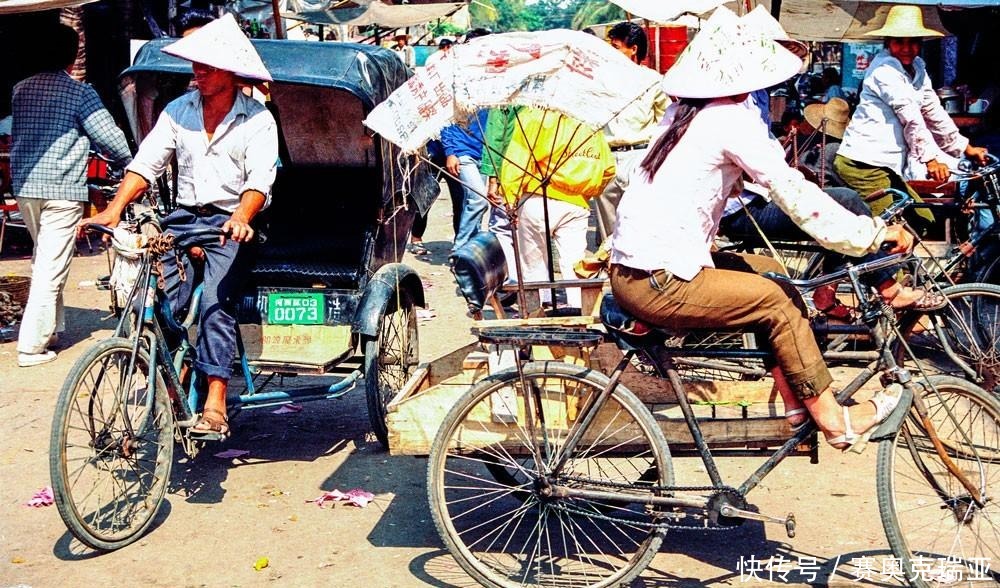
(221,515)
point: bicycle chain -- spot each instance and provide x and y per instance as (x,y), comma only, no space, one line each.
(625,486)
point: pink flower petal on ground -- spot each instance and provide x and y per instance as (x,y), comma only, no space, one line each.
(357,497)
(288,409)
(230,453)
(41,498)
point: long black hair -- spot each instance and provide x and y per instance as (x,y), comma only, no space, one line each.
(687,108)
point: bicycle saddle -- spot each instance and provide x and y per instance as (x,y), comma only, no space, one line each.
(628,332)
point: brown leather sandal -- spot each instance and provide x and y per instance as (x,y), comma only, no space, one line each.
(210,427)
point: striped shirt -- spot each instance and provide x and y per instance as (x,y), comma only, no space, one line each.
(57,121)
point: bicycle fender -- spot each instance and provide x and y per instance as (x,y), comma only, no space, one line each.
(891,425)
(381,289)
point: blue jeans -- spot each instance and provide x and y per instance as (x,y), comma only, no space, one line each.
(475,203)
(223,273)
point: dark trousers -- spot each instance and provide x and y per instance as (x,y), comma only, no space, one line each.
(222,273)
(778,226)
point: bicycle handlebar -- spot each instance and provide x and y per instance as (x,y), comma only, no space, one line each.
(969,170)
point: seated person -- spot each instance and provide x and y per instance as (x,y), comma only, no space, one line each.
(223,187)
(663,270)
(899,117)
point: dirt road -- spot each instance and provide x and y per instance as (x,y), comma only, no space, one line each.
(223,515)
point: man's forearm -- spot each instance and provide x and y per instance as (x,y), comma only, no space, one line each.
(132,186)
(251,203)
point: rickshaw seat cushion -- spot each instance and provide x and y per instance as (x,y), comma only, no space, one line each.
(330,275)
(480,268)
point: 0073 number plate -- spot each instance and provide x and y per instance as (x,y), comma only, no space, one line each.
(296,309)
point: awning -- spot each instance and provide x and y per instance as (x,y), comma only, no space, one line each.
(376,13)
(16,6)
(663,11)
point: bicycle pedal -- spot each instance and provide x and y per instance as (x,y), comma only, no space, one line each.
(738,513)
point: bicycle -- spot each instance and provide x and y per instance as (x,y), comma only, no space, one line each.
(556,474)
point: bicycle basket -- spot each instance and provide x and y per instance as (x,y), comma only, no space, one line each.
(127,264)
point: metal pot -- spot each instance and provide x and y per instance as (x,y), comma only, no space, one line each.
(952,101)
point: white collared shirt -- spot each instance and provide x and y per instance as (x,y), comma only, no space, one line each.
(242,155)
(899,117)
(669,222)
(637,122)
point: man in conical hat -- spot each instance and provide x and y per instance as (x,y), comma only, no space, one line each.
(663,268)
(900,118)
(226,145)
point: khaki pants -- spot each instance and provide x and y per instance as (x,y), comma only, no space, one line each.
(731,296)
(52,225)
(568,231)
(866,179)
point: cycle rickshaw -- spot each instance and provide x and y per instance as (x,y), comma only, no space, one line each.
(327,296)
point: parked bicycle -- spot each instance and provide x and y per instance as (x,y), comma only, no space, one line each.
(552,474)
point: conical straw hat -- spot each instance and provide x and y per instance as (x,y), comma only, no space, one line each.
(760,20)
(904,21)
(221,44)
(727,58)
(836,112)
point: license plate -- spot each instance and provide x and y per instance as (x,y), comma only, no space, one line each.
(303,308)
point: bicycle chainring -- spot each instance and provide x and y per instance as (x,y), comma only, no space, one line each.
(721,498)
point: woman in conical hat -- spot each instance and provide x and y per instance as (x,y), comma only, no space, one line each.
(899,119)
(663,268)
(226,146)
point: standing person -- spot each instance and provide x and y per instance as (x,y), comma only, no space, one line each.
(226,145)
(463,149)
(663,269)
(56,122)
(900,118)
(444,48)
(628,133)
(403,50)
(577,165)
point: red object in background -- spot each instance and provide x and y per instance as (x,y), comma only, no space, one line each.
(97,168)
(665,43)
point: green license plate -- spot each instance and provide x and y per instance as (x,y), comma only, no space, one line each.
(296,309)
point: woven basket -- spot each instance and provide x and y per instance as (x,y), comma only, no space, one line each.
(17,287)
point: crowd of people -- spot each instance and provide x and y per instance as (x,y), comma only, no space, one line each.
(689,159)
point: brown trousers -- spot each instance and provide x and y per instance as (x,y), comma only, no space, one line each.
(731,296)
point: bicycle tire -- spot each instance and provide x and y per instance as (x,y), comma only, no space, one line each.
(962,339)
(389,360)
(483,523)
(990,274)
(91,443)
(914,488)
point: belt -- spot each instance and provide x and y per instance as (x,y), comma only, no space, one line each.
(204,210)
(630,147)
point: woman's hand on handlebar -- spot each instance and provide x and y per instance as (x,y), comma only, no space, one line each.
(979,154)
(897,240)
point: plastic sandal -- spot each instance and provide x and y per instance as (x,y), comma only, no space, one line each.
(839,311)
(797,426)
(885,402)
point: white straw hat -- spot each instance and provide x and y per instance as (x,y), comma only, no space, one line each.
(761,21)
(726,59)
(221,44)
(905,21)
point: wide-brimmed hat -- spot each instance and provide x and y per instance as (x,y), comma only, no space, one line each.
(727,58)
(836,113)
(904,20)
(761,21)
(221,44)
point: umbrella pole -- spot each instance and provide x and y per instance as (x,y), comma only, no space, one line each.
(548,242)
(279,29)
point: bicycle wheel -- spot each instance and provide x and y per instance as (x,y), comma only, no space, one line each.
(390,358)
(490,499)
(962,339)
(934,527)
(111,447)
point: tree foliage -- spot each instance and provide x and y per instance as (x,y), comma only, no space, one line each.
(520,15)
